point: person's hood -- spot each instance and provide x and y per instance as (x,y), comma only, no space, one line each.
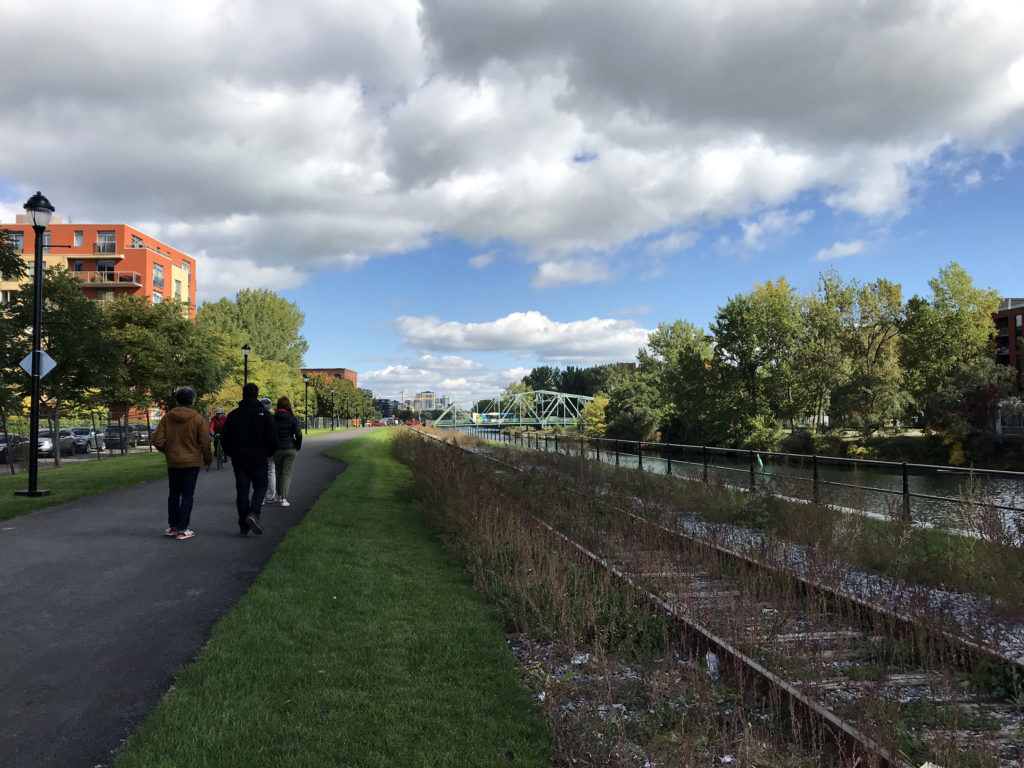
(181,414)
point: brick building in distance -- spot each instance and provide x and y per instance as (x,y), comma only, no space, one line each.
(1009,320)
(110,260)
(337,373)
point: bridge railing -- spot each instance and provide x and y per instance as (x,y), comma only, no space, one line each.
(927,494)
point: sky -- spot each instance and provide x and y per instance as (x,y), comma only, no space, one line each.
(455,192)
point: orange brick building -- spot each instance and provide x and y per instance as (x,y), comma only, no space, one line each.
(111,260)
(337,373)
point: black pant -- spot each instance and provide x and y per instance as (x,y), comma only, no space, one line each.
(182,485)
(249,474)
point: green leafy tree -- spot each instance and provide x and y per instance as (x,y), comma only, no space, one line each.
(593,416)
(754,335)
(543,377)
(73,334)
(12,265)
(270,323)
(678,359)
(943,335)
(634,409)
(161,350)
(821,359)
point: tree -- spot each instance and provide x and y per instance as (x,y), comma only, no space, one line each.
(754,336)
(821,358)
(12,265)
(270,324)
(634,409)
(161,350)
(593,416)
(73,330)
(955,328)
(678,359)
(543,377)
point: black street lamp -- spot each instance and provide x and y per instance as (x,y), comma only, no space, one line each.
(245,364)
(305,380)
(332,409)
(39,212)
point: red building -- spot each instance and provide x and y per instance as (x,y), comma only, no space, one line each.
(337,373)
(1009,322)
(110,259)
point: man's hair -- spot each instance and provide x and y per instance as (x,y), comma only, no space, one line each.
(185,396)
(250,390)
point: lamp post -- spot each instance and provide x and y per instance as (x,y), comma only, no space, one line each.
(305,380)
(39,212)
(332,409)
(245,364)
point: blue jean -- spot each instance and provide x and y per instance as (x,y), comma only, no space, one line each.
(182,485)
(249,475)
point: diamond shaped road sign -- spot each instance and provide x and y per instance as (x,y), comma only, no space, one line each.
(46,363)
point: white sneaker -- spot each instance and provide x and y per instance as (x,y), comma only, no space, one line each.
(284,503)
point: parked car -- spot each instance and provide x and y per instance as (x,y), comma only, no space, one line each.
(64,442)
(87,439)
(16,447)
(143,434)
(116,436)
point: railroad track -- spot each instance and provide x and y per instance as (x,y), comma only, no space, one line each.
(883,686)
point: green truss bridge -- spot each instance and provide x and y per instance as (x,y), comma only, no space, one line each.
(542,408)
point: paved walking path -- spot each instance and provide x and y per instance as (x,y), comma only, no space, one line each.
(99,610)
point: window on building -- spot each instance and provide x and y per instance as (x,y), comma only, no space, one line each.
(106,268)
(157,297)
(17,240)
(6,296)
(188,271)
(177,289)
(137,241)
(79,265)
(105,242)
(105,294)
(1018,321)
(158,276)
(79,237)
(46,241)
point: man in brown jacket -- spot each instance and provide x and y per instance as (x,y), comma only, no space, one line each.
(184,438)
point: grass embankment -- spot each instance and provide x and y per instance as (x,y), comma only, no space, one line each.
(362,643)
(75,480)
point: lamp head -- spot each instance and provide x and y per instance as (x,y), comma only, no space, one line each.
(39,210)
(245,349)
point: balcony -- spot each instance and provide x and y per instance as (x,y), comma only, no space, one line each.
(104,247)
(107,279)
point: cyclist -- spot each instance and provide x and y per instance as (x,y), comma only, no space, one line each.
(216,426)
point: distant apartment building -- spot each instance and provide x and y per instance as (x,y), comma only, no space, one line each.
(424,401)
(110,260)
(1009,320)
(337,373)
(386,407)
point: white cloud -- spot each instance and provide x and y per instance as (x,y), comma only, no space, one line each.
(572,271)
(773,223)
(672,243)
(839,251)
(972,179)
(482,260)
(330,132)
(451,376)
(592,341)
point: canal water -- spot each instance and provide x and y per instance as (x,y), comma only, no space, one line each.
(947,497)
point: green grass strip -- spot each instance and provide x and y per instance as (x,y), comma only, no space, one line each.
(362,643)
(75,480)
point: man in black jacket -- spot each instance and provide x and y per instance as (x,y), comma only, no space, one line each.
(249,438)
